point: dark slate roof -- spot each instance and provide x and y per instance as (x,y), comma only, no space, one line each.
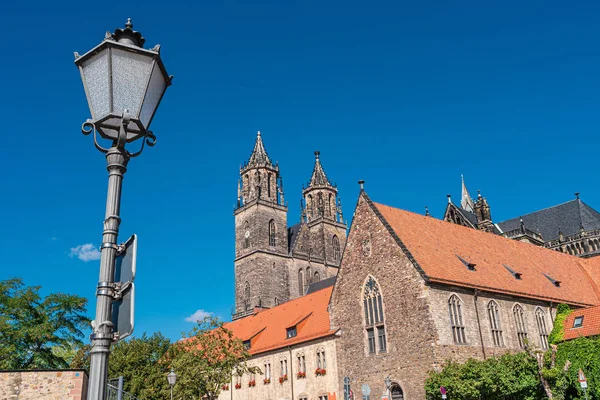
(316,286)
(293,232)
(469,216)
(568,218)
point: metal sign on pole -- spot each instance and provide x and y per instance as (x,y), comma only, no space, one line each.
(124,302)
(582,381)
(443,391)
(366,391)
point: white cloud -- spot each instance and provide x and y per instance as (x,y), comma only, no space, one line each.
(85,252)
(199,315)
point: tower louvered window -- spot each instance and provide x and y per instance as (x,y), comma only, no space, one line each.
(246,235)
(271,233)
(540,317)
(247,296)
(456,320)
(300,282)
(494,316)
(374,317)
(335,242)
(520,324)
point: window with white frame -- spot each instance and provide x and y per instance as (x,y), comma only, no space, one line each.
(268,371)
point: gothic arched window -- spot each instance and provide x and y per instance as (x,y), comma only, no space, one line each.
(456,320)
(320,204)
(494,316)
(246,235)
(269,185)
(540,317)
(247,295)
(271,233)
(520,324)
(335,242)
(308,276)
(373,317)
(317,277)
(300,282)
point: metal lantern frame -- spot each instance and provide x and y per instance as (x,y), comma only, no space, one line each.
(121,125)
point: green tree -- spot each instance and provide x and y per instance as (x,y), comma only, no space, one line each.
(140,361)
(206,359)
(35,330)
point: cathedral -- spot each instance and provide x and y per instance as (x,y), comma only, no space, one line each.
(325,313)
(274,262)
(572,227)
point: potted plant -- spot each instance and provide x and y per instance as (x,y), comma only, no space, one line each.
(252,383)
(266,381)
(238,385)
(301,375)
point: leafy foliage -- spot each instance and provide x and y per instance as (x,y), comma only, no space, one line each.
(38,332)
(558,332)
(512,376)
(206,359)
(140,361)
(520,375)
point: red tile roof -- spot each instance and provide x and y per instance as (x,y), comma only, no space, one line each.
(590,324)
(437,245)
(267,330)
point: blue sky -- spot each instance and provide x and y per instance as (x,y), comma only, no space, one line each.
(405,95)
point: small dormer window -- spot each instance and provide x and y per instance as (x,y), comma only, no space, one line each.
(291,332)
(578,322)
(247,344)
(515,274)
(554,281)
(469,265)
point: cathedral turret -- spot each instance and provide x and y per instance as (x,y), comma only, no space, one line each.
(260,178)
(261,234)
(483,213)
(320,196)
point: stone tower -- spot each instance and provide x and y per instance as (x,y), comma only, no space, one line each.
(322,213)
(261,241)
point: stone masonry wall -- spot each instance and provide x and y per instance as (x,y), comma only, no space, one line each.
(46,385)
(409,325)
(445,347)
(309,387)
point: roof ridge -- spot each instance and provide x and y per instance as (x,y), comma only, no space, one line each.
(537,211)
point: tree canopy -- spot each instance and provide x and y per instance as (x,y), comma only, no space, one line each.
(36,332)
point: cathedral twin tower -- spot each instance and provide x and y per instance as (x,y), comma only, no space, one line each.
(275,263)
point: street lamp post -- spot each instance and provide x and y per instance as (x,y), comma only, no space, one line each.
(172,378)
(124,84)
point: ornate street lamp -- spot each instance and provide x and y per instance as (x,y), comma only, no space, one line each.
(124,84)
(172,378)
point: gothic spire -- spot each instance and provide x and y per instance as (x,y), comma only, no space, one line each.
(466,202)
(318,177)
(259,154)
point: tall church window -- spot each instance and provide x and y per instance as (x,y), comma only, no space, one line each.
(246,235)
(317,277)
(269,185)
(335,242)
(271,233)
(456,320)
(494,316)
(373,317)
(320,204)
(300,282)
(520,324)
(247,296)
(308,276)
(540,317)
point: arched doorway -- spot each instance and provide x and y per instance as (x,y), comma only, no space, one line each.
(396,392)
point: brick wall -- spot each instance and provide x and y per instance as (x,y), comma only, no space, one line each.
(46,385)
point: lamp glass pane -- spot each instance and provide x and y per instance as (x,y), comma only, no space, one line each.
(95,75)
(157,87)
(131,72)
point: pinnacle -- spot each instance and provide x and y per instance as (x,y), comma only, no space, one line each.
(259,155)
(318,176)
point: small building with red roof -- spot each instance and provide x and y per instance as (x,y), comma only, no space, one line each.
(583,322)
